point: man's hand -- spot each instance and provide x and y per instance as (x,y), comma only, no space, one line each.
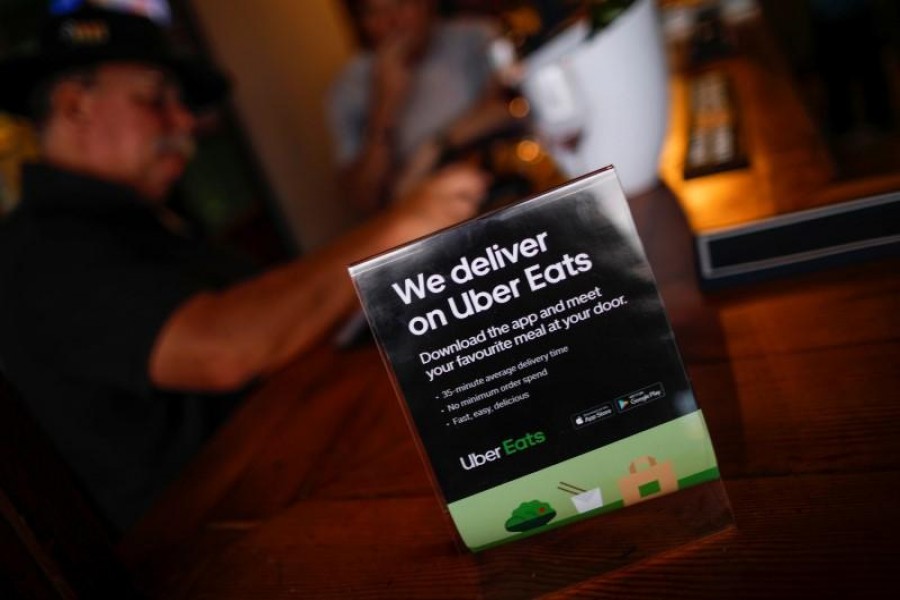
(417,168)
(451,195)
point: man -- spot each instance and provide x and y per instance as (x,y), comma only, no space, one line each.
(420,86)
(114,327)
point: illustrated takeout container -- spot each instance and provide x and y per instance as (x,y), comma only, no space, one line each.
(588,501)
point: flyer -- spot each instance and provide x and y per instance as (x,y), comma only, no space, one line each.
(536,364)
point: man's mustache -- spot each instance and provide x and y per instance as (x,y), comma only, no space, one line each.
(182,145)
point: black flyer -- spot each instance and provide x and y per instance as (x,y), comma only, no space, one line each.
(536,363)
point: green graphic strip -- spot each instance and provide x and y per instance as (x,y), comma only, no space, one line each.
(682,453)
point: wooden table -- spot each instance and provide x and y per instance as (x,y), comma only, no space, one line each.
(315,488)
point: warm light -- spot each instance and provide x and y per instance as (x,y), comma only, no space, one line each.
(6,138)
(528,151)
(524,21)
(519,107)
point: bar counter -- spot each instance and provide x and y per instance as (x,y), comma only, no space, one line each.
(315,488)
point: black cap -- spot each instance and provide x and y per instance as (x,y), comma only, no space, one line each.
(93,35)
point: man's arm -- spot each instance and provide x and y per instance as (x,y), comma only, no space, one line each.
(366,178)
(220,341)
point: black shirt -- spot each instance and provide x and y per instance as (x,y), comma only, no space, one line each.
(88,276)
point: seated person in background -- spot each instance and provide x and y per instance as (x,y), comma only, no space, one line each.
(119,332)
(420,86)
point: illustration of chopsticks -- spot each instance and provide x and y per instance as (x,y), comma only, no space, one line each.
(569,488)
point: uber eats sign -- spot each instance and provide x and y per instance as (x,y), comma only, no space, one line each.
(509,446)
(533,356)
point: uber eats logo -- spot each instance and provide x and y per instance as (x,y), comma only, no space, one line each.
(507,447)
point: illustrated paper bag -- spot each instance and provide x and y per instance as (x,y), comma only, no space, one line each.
(647,479)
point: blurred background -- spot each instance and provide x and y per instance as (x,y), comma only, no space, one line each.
(265,178)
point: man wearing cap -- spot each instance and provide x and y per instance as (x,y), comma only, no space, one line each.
(118,331)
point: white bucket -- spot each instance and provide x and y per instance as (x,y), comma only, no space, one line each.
(604,100)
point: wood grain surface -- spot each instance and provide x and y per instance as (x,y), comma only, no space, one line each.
(315,488)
